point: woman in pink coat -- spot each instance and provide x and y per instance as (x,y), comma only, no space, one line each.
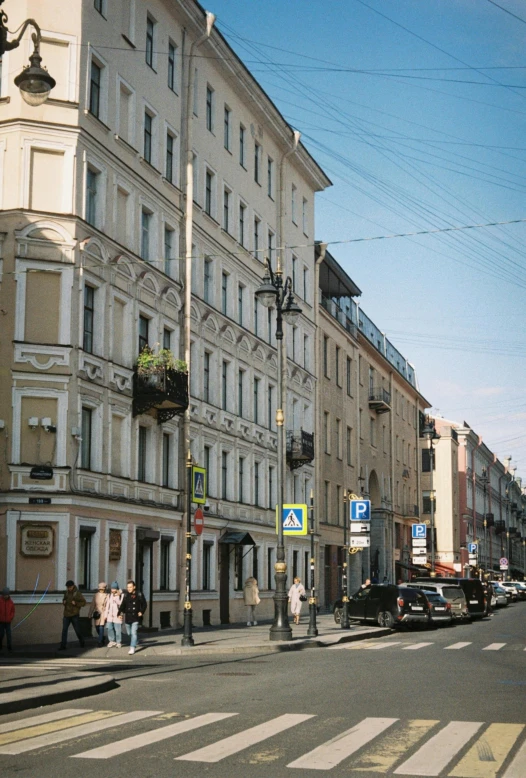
(113,618)
(97,609)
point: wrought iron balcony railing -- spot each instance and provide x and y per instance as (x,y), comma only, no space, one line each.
(300,448)
(162,393)
(379,399)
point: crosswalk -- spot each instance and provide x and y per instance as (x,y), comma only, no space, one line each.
(385,746)
(371,645)
(55,665)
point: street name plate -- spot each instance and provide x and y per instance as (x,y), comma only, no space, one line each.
(419,542)
(360,541)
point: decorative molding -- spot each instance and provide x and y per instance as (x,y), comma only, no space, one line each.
(121,377)
(56,355)
(92,366)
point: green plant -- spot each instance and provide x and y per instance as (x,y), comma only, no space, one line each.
(149,361)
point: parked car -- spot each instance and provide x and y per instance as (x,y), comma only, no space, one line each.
(521,589)
(473,591)
(507,592)
(440,609)
(453,593)
(386,605)
(501,596)
(511,588)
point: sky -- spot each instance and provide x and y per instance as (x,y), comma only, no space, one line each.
(416,110)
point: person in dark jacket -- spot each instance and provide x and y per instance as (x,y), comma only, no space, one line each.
(133,606)
(73,601)
(7,614)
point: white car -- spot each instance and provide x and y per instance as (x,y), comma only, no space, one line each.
(511,588)
(500,596)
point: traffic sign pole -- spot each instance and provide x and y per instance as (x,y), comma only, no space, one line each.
(187,639)
(344,620)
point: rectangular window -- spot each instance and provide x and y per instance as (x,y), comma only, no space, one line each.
(326,356)
(241,479)
(256,400)
(269,325)
(224,475)
(337,365)
(144,326)
(208,547)
(171,65)
(148,131)
(207,281)
(195,177)
(257,162)
(426,461)
(206,377)
(142,432)
(294,272)
(242,215)
(99,6)
(339,448)
(195,96)
(270,177)
(348,445)
(271,242)
(306,352)
(271,487)
(257,229)
(305,282)
(146,219)
(91,196)
(227,117)
(87,431)
(326,433)
(304,215)
(209,180)
(224,292)
(255,562)
(241,145)
(240,296)
(164,583)
(89,314)
(169,172)
(270,403)
(238,568)
(166,463)
(373,431)
(349,376)
(270,567)
(226,210)
(209,480)
(167,338)
(240,387)
(224,385)
(149,41)
(85,555)
(168,250)
(326,499)
(294,343)
(209,109)
(426,502)
(94,92)
(256,310)
(293,197)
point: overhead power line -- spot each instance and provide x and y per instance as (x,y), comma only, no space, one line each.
(507,12)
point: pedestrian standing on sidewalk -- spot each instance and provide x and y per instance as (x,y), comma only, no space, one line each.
(73,601)
(251,598)
(97,609)
(296,592)
(7,614)
(112,616)
(133,606)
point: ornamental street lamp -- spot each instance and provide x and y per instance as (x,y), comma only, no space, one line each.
(430,434)
(34,82)
(276,292)
(344,621)
(312,631)
(485,481)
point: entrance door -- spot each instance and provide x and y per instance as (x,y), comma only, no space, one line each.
(224,583)
(140,552)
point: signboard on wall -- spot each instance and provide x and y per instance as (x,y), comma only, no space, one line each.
(115,545)
(36,540)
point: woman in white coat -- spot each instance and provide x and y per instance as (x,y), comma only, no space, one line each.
(97,611)
(296,591)
(251,598)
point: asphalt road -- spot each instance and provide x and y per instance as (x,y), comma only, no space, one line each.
(447,702)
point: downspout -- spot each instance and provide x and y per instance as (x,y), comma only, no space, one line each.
(188,202)
(322,247)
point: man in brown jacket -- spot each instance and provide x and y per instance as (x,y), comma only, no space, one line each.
(73,601)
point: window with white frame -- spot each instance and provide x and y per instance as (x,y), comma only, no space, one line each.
(144,332)
(209,193)
(224,475)
(142,452)
(168,249)
(227,127)
(270,177)
(92,188)
(257,162)
(95,88)
(242,150)
(224,385)
(241,480)
(208,280)
(164,563)
(148,136)
(257,237)
(86,453)
(206,376)
(227,196)
(89,318)
(172,66)
(146,234)
(242,222)
(304,216)
(150,42)
(305,283)
(293,204)
(209,108)
(256,484)
(86,550)
(169,163)
(224,292)
(207,567)
(166,463)
(240,303)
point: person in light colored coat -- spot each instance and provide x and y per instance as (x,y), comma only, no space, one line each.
(251,598)
(98,606)
(295,592)
(112,616)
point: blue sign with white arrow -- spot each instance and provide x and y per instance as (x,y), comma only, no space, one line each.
(360,510)
(418,530)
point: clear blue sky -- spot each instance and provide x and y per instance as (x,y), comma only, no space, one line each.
(416,109)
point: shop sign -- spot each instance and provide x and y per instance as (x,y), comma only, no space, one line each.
(115,545)
(36,540)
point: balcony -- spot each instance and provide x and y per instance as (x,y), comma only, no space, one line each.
(500,527)
(490,520)
(410,511)
(300,448)
(379,400)
(162,393)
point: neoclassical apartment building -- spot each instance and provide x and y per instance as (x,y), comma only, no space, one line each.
(96,239)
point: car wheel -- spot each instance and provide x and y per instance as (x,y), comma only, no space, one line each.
(385,619)
(337,615)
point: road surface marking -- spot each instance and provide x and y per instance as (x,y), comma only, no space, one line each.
(494,647)
(456,645)
(439,750)
(154,736)
(384,645)
(51,726)
(393,746)
(414,646)
(43,719)
(75,732)
(517,768)
(249,737)
(330,754)
(485,758)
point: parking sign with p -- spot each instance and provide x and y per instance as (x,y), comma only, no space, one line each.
(360,510)
(418,531)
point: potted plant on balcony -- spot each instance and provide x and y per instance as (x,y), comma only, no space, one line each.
(151,365)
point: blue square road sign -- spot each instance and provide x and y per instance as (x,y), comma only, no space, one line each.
(418,530)
(360,510)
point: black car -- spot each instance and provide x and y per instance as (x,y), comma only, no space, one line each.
(386,605)
(440,608)
(472,588)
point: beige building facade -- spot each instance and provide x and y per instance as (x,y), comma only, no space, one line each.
(93,236)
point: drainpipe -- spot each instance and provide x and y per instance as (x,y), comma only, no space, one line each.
(322,247)
(188,203)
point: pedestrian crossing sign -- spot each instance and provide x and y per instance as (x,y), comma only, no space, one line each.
(294,519)
(199,485)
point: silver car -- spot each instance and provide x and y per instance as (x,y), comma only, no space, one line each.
(453,593)
(500,596)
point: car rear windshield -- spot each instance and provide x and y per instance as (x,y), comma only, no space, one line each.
(472,588)
(452,593)
(411,595)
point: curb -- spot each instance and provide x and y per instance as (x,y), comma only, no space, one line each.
(35,697)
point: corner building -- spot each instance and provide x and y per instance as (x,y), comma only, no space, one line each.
(92,241)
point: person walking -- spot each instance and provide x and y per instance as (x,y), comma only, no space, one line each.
(73,601)
(97,609)
(251,598)
(132,606)
(296,592)
(112,616)
(7,614)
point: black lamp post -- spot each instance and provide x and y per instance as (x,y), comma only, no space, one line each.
(187,639)
(430,434)
(276,292)
(34,82)
(344,621)
(485,481)
(312,631)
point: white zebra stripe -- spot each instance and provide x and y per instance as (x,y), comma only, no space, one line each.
(439,750)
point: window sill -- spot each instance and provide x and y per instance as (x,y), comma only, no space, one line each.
(96,119)
(126,145)
(150,166)
(128,41)
(152,68)
(173,91)
(209,216)
(62,103)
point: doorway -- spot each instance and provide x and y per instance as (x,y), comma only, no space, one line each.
(224,583)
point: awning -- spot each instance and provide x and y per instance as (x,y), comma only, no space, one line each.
(237,539)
